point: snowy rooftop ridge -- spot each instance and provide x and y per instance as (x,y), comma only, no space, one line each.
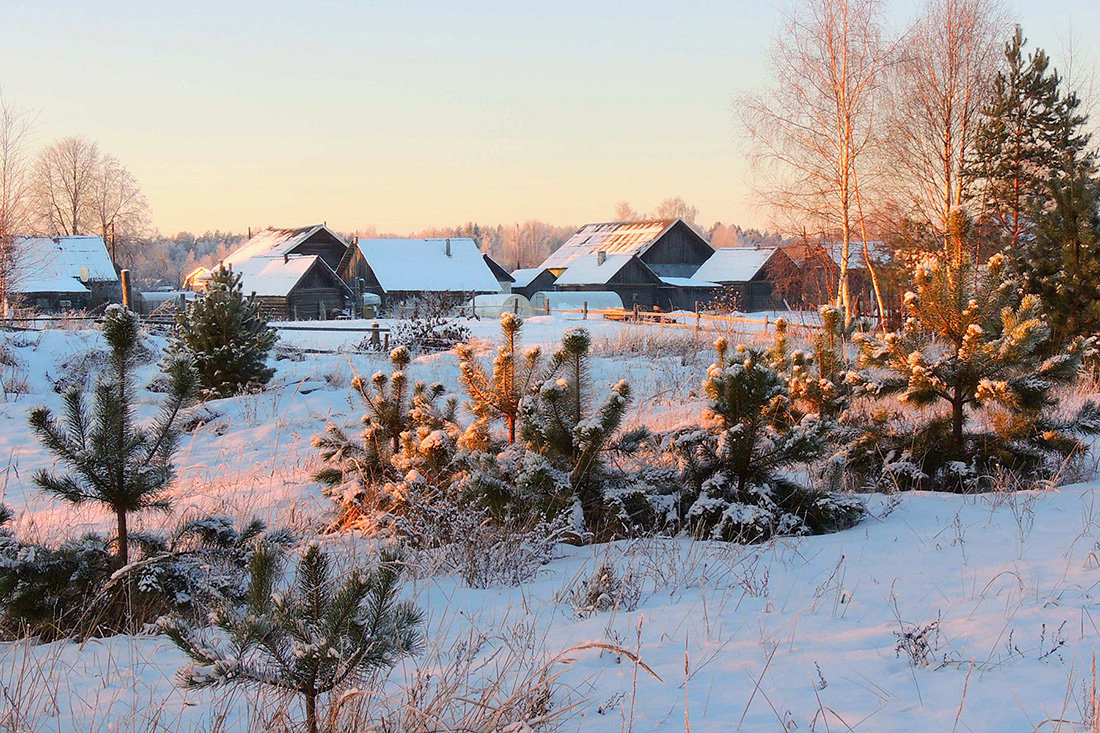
(274,242)
(524,276)
(613,237)
(433,265)
(63,264)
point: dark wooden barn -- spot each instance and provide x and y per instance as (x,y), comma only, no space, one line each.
(755,274)
(668,247)
(292,272)
(402,270)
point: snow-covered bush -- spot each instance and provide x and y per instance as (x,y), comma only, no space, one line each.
(76,588)
(401,462)
(427,323)
(223,333)
(308,637)
(606,590)
(734,466)
(976,360)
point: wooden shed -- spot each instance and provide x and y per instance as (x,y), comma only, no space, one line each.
(64,273)
(668,247)
(753,272)
(624,274)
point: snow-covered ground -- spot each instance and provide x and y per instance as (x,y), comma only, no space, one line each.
(802,634)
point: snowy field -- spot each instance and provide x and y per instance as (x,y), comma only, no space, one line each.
(993,596)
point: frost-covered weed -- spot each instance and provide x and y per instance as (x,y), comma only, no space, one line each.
(606,590)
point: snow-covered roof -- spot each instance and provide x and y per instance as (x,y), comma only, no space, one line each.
(734,264)
(274,243)
(613,237)
(413,265)
(525,276)
(588,270)
(274,276)
(62,264)
(688,282)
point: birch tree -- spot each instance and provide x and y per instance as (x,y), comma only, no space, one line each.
(813,134)
(941,83)
(15,130)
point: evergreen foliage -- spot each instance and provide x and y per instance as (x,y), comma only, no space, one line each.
(308,638)
(735,465)
(970,346)
(400,458)
(822,381)
(559,423)
(226,337)
(113,461)
(1015,147)
(74,590)
(497,395)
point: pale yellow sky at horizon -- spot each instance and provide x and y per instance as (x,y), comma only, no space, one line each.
(237,115)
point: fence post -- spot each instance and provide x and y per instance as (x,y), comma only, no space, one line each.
(697,318)
(547,306)
(386,341)
(515,306)
(127,298)
(585,316)
(375,340)
(766,319)
(635,312)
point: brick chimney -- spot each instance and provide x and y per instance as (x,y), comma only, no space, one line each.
(447,247)
(601,257)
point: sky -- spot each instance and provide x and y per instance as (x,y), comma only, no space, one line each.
(411,115)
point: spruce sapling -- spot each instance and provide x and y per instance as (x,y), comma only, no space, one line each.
(226,336)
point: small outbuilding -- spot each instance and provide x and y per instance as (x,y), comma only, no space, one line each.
(623,274)
(493,305)
(530,280)
(576,301)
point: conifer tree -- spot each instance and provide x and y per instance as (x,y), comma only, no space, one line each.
(1015,145)
(406,439)
(821,381)
(226,336)
(968,346)
(498,395)
(112,460)
(558,422)
(735,466)
(310,638)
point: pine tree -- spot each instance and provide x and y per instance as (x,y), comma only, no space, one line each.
(734,466)
(822,381)
(557,421)
(498,395)
(225,335)
(968,345)
(114,461)
(310,638)
(1015,145)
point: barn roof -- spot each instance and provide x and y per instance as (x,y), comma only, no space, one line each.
(734,264)
(274,242)
(588,270)
(688,282)
(412,265)
(63,264)
(613,237)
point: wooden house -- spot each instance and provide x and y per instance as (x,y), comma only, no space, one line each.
(65,273)
(624,274)
(668,247)
(398,270)
(754,273)
(292,272)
